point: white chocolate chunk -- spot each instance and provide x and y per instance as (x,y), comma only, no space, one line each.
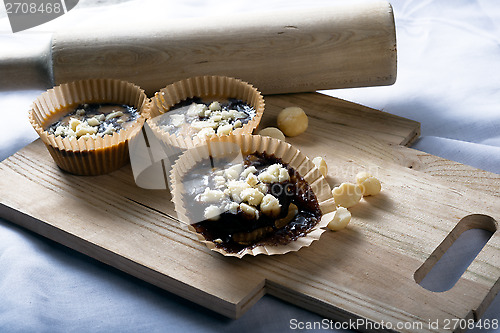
(320,163)
(347,195)
(274,169)
(200,124)
(93,121)
(247,171)
(266,177)
(368,184)
(262,187)
(340,220)
(283,175)
(292,121)
(270,206)
(214,106)
(178,120)
(196,110)
(249,210)
(60,130)
(224,129)
(73,123)
(238,124)
(235,188)
(207,131)
(362,176)
(233,172)
(211,196)
(84,128)
(109,130)
(219,181)
(252,196)
(114,114)
(216,118)
(239,115)
(252,180)
(232,207)
(274,173)
(70,132)
(212,213)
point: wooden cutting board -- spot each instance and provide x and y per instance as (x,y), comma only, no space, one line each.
(367,271)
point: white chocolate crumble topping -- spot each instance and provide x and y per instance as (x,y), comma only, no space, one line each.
(200,120)
(93,120)
(238,188)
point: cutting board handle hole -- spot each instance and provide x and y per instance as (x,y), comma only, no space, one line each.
(441,271)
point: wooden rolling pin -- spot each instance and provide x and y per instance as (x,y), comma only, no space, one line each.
(346,45)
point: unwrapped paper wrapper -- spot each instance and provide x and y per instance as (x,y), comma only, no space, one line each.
(247,144)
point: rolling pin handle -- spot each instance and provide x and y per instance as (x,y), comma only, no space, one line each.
(26,68)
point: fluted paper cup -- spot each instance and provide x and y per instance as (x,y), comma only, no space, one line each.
(87,156)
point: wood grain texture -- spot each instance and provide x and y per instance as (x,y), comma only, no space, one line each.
(365,271)
(346,45)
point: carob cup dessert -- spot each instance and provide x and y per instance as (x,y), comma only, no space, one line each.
(95,119)
(187,112)
(247,194)
(86,125)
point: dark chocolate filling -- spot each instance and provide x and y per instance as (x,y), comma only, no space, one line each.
(295,191)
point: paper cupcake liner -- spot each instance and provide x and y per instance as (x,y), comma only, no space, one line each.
(209,87)
(87,156)
(248,144)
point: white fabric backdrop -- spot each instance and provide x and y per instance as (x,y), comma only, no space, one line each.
(448,79)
